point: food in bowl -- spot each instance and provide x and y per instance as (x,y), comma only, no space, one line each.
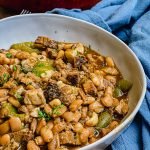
(58,95)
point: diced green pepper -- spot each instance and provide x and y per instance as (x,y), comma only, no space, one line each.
(117,92)
(104,119)
(42,67)
(124,85)
(25,46)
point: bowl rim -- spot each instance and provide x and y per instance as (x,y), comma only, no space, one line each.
(140,67)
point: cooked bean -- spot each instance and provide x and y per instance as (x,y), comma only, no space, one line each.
(41,124)
(111,71)
(4,128)
(5,139)
(59,127)
(107,101)
(15,124)
(32,146)
(75,105)
(110,62)
(55,143)
(3,92)
(113,125)
(60,54)
(50,124)
(110,78)
(68,116)
(47,109)
(89,100)
(84,135)
(46,134)
(39,140)
(55,102)
(96,107)
(93,120)
(14,102)
(84,112)
(33,125)
(104,119)
(76,116)
(78,127)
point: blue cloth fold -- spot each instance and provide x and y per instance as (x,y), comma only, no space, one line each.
(130,21)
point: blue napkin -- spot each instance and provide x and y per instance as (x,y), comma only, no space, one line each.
(130,21)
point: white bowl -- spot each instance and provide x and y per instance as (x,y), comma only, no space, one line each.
(28,27)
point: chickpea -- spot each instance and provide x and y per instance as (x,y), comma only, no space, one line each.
(4,128)
(84,135)
(78,127)
(68,116)
(15,124)
(93,120)
(75,105)
(55,102)
(39,140)
(107,101)
(5,139)
(14,102)
(110,62)
(96,107)
(32,146)
(41,124)
(46,134)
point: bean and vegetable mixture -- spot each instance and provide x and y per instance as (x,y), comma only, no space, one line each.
(58,95)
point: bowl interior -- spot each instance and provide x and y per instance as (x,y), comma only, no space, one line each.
(27,28)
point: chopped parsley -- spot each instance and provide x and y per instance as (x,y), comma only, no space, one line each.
(43,114)
(18,96)
(14,67)
(6,76)
(56,110)
(9,55)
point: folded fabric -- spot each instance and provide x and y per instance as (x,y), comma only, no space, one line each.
(130,21)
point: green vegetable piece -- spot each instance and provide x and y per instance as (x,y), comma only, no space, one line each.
(15,68)
(9,55)
(25,46)
(43,114)
(8,110)
(104,119)
(42,67)
(124,85)
(56,110)
(117,92)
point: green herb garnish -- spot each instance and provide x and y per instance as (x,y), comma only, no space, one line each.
(9,55)
(56,110)
(43,114)
(6,76)
(14,67)
(18,96)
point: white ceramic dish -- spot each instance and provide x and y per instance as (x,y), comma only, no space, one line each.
(28,27)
